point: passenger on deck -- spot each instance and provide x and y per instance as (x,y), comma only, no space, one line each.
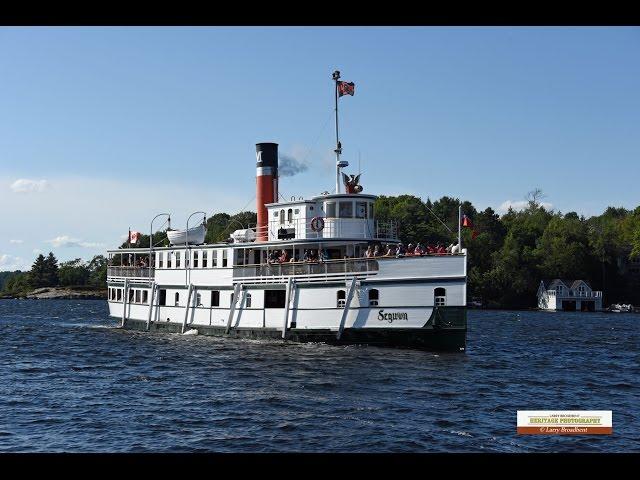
(441,249)
(401,251)
(419,250)
(369,252)
(376,251)
(431,249)
(411,249)
(391,251)
(274,256)
(310,256)
(324,255)
(284,257)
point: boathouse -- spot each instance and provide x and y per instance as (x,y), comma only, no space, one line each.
(568,295)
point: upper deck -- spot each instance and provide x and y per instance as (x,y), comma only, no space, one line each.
(343,216)
(223,264)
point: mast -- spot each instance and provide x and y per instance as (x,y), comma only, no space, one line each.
(338,150)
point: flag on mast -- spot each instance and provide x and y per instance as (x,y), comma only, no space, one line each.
(466,222)
(346,88)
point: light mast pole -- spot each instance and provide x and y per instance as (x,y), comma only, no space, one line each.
(338,150)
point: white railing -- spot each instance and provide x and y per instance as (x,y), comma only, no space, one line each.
(575,294)
(130,272)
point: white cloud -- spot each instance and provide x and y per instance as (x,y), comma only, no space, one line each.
(88,210)
(10,263)
(16,241)
(520,205)
(26,185)
(67,241)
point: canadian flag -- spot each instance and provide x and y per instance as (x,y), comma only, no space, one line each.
(133,237)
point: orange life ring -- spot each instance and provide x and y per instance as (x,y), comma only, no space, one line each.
(317,224)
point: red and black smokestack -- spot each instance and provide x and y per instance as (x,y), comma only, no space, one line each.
(266,184)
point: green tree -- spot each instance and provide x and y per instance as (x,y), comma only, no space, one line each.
(38,274)
(51,270)
(98,271)
(74,272)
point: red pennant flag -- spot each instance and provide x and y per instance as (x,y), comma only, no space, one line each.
(466,222)
(346,88)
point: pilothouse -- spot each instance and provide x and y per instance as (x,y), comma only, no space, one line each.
(322,269)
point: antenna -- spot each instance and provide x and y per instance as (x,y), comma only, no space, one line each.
(359,169)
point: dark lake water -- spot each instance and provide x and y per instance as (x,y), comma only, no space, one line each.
(72,382)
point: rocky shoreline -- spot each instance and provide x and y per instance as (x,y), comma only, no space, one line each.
(57,293)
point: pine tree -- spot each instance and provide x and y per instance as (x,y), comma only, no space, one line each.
(38,272)
(51,270)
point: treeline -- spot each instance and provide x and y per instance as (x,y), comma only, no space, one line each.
(513,252)
(46,272)
(508,257)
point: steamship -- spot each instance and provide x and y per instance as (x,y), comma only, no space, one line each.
(338,295)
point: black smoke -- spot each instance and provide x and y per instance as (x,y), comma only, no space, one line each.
(289,166)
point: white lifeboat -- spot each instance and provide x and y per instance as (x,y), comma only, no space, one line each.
(195,237)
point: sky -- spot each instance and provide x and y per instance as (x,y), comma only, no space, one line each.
(101,128)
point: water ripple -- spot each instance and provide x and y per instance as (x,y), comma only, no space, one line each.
(73,382)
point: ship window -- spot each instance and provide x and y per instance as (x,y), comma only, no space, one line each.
(341,299)
(204,259)
(215,298)
(162,296)
(440,297)
(281,217)
(145,296)
(214,258)
(330,209)
(275,213)
(169,255)
(131,293)
(196,254)
(296,211)
(374,297)
(198,299)
(119,294)
(346,209)
(160,259)
(361,210)
(274,298)
(248,300)
(224,258)
(290,215)
(138,296)
(177,259)
(371,211)
(177,299)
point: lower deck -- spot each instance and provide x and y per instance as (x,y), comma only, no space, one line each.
(420,314)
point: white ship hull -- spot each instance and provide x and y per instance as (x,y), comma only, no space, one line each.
(404,316)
